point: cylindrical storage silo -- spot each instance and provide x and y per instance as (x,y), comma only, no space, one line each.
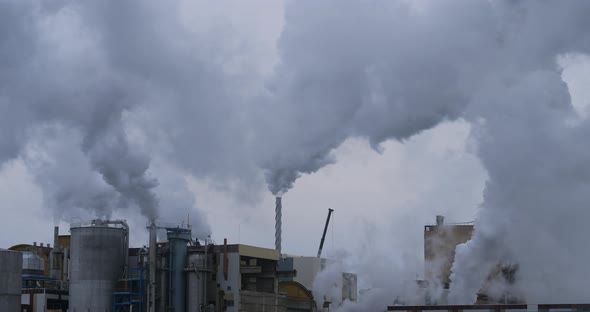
(178,240)
(11,263)
(98,258)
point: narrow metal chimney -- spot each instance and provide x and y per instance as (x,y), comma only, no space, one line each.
(440,220)
(153,245)
(278,224)
(55,236)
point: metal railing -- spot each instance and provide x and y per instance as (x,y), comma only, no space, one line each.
(493,307)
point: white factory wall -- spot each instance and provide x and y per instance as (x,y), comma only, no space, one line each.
(307,268)
(233,279)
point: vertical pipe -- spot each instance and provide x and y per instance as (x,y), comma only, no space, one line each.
(152,268)
(52,264)
(66,268)
(278,223)
(53,256)
(163,289)
(178,240)
(206,279)
(225,258)
(55,236)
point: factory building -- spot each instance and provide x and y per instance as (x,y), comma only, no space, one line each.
(43,283)
(94,270)
(440,242)
(10,280)
(234,277)
(307,268)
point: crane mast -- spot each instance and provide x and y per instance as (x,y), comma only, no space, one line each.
(330,210)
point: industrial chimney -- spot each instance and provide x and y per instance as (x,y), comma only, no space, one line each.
(278,215)
(152,266)
(55,236)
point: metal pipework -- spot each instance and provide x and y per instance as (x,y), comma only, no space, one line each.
(225,263)
(55,236)
(152,267)
(278,223)
(66,267)
(55,257)
(330,210)
(124,224)
(177,240)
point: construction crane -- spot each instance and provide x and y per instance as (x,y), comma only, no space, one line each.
(330,210)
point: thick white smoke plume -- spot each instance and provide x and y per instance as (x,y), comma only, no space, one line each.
(524,211)
(91,93)
(391,69)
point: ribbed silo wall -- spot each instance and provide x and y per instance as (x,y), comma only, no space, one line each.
(98,259)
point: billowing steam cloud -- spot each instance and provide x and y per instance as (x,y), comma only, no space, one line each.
(56,74)
(521,220)
(388,70)
(372,79)
(91,92)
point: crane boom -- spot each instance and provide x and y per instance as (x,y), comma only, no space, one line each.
(325,230)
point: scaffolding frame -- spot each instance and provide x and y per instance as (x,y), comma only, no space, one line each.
(124,301)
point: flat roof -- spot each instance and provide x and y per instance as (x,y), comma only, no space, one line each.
(244,250)
(259,252)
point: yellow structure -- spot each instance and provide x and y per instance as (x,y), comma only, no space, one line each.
(258,252)
(298,297)
(42,252)
(440,242)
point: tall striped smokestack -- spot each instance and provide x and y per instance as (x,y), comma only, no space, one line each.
(278,215)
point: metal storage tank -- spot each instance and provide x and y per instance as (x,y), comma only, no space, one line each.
(32,264)
(98,259)
(178,239)
(11,263)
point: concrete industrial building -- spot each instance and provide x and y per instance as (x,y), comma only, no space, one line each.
(233,278)
(44,279)
(10,280)
(440,242)
(307,268)
(93,269)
